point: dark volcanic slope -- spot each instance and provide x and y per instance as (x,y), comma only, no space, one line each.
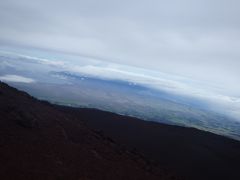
(195,154)
(37,141)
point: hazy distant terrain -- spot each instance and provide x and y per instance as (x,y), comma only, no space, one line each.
(50,81)
(133,100)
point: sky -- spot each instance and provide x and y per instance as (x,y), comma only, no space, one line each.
(193,40)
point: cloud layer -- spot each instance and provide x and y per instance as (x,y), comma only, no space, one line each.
(16,78)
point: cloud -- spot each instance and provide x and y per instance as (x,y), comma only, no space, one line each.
(16,78)
(197,39)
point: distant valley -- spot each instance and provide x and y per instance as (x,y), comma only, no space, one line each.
(133,100)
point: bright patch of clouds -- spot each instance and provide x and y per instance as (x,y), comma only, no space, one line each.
(16,78)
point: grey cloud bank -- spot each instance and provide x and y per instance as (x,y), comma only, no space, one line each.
(16,78)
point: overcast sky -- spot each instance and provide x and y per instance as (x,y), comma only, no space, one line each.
(199,39)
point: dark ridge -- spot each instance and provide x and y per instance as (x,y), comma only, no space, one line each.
(192,153)
(38,141)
